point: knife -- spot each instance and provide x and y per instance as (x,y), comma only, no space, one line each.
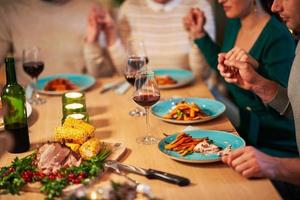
(111,86)
(149,173)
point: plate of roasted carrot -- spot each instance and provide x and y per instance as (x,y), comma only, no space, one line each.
(199,146)
(188,110)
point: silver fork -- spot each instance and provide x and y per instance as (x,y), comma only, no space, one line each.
(114,166)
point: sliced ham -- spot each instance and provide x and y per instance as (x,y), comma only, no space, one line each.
(51,157)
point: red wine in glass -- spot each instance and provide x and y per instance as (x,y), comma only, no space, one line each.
(130,78)
(33,66)
(146,94)
(33,69)
(146,100)
(136,62)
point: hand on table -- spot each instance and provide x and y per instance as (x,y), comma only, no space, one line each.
(250,162)
(194,23)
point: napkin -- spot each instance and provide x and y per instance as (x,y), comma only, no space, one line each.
(29,91)
(122,88)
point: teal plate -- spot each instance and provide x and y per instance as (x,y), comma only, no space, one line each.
(210,107)
(220,138)
(182,76)
(82,81)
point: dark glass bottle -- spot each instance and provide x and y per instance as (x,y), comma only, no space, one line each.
(14,110)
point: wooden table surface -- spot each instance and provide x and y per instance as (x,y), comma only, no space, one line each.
(109,114)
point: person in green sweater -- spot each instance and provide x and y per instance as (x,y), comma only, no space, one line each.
(251,29)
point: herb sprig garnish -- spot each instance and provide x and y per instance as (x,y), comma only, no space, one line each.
(11,177)
(22,171)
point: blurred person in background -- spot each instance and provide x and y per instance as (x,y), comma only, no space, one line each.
(252,30)
(159,24)
(58,28)
(249,161)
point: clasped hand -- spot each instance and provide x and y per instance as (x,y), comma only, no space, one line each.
(238,67)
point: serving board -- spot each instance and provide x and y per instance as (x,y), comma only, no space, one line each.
(118,150)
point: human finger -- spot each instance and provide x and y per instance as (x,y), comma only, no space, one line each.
(224,159)
(221,57)
(229,53)
(249,59)
(250,172)
(236,153)
(244,157)
(231,80)
(240,54)
(240,168)
(236,63)
(234,54)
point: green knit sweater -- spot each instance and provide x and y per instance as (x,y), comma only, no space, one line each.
(274,49)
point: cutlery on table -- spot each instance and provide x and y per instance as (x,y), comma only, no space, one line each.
(149,173)
(111,86)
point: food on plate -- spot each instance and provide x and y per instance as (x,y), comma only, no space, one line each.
(73,146)
(74,131)
(57,165)
(165,80)
(52,156)
(60,84)
(185,144)
(90,148)
(186,111)
(79,124)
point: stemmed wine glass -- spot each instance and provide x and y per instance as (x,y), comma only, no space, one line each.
(136,61)
(33,66)
(146,94)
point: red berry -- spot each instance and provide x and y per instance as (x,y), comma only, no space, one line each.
(83,174)
(71,175)
(76,181)
(51,177)
(11,169)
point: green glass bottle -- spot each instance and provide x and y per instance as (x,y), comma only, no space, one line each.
(14,110)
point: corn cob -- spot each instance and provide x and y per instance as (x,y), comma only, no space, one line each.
(90,148)
(73,146)
(70,135)
(79,124)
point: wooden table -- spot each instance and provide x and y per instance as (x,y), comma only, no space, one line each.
(109,114)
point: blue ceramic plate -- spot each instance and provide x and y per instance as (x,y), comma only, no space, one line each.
(182,76)
(210,107)
(82,81)
(220,138)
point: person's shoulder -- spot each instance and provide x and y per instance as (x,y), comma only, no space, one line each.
(132,5)
(277,28)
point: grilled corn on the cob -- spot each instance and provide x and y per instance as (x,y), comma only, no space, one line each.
(73,146)
(79,124)
(90,148)
(70,135)
(74,131)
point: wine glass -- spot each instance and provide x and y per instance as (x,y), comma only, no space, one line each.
(136,61)
(33,66)
(146,94)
